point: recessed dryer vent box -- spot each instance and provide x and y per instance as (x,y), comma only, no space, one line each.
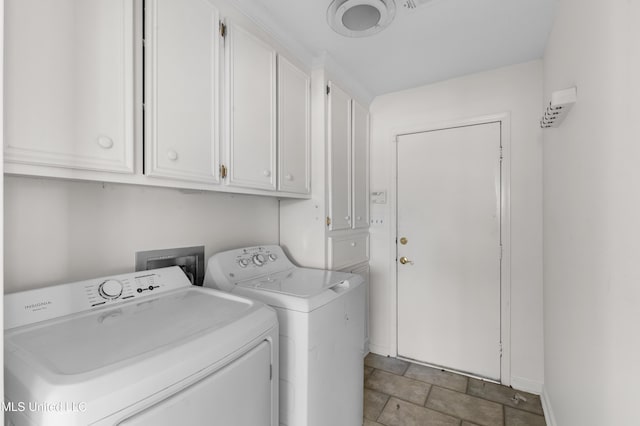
(190,259)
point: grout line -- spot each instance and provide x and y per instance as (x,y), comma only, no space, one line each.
(383,407)
(504,415)
(428,395)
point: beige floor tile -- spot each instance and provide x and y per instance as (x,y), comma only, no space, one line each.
(402,387)
(438,377)
(401,413)
(368,422)
(504,395)
(367,371)
(513,417)
(374,403)
(480,411)
(392,365)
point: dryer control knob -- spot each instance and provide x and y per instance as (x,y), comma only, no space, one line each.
(273,257)
(110,289)
(259,259)
(243,263)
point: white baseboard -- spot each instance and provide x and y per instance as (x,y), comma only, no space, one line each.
(379,350)
(546,407)
(527,385)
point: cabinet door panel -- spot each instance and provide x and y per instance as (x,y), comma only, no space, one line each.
(360,166)
(69,84)
(293,128)
(182,92)
(251,79)
(339,159)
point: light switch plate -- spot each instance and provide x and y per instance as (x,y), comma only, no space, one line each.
(379,197)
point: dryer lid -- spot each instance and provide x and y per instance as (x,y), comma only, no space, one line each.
(97,339)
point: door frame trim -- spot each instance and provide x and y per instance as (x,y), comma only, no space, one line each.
(505,228)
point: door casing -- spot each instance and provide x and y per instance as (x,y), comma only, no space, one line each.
(505,230)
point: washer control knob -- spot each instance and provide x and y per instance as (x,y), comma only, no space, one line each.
(243,262)
(273,257)
(259,259)
(110,289)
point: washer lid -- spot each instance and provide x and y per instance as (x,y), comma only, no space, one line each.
(89,341)
(298,282)
(299,289)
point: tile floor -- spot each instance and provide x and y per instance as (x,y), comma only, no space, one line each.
(399,393)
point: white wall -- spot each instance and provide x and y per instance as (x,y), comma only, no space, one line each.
(60,231)
(517,90)
(592,216)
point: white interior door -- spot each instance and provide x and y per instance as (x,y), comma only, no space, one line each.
(449,233)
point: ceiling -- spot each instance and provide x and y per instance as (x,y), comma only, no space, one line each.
(440,40)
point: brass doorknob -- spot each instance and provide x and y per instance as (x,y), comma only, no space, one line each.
(404,261)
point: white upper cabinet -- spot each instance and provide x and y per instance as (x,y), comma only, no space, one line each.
(360,163)
(69,72)
(339,153)
(251,106)
(182,90)
(293,128)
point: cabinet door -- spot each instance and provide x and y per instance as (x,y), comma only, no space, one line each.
(251,85)
(339,158)
(182,95)
(360,164)
(293,128)
(68,85)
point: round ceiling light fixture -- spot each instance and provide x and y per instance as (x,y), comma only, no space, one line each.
(360,18)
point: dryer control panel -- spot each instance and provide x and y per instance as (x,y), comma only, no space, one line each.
(28,307)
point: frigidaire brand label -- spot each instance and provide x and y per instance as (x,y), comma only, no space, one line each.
(38,306)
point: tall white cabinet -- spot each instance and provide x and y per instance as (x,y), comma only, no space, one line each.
(69,92)
(331,230)
(339,156)
(360,161)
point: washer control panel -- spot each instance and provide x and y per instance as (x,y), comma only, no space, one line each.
(233,266)
(255,257)
(31,306)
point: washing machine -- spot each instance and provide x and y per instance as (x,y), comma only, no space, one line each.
(143,349)
(321,316)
